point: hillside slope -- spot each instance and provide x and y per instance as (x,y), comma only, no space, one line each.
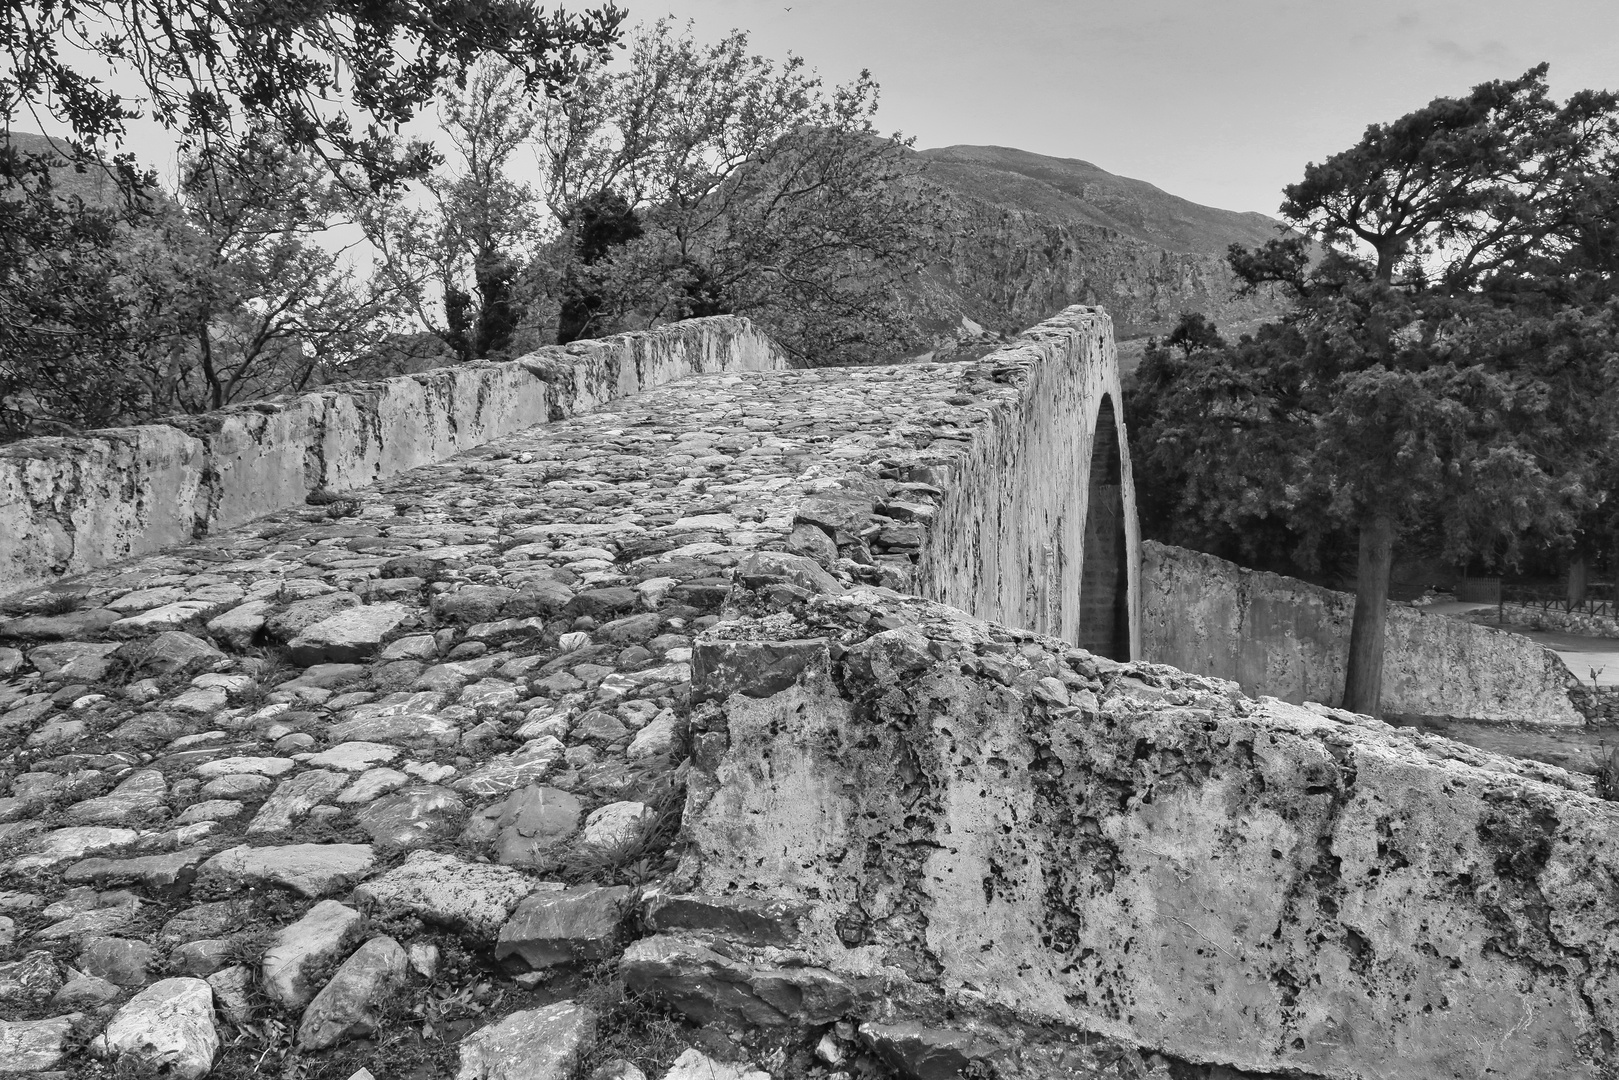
(1028,235)
(96,184)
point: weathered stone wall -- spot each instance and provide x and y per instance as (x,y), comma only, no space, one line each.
(487,656)
(1279,636)
(981,832)
(970,843)
(1008,543)
(68,504)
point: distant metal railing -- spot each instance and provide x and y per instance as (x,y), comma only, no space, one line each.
(1599,598)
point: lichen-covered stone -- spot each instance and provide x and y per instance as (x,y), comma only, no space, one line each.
(313,870)
(616,825)
(352,1003)
(746,919)
(443,889)
(168,1027)
(293,798)
(693,1064)
(118,960)
(33,978)
(32,1046)
(325,933)
(349,635)
(710,987)
(1279,636)
(536,1044)
(1254,879)
(413,817)
(554,928)
(527,824)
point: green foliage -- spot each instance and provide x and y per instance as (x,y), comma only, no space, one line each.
(216,71)
(457,254)
(1607,786)
(64,325)
(639,1028)
(1462,188)
(1446,372)
(688,180)
(123,312)
(1480,419)
(644,856)
(232,290)
(758,193)
(1194,332)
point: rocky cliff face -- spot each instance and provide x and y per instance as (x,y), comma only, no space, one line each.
(1028,235)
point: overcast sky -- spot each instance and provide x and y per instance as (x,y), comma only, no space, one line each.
(1219,101)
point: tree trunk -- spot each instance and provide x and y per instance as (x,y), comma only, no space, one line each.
(1363,682)
(1578,574)
(1613,571)
(205,348)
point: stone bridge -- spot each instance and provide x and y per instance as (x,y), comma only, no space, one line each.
(803,698)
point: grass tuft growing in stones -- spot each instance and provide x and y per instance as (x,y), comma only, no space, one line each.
(637,860)
(641,1028)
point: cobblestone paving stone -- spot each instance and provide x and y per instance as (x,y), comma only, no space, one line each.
(321,765)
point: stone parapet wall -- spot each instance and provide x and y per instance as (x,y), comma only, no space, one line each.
(1008,543)
(68,504)
(1278,636)
(1598,704)
(994,842)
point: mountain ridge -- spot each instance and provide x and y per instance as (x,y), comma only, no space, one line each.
(1105,199)
(1026,235)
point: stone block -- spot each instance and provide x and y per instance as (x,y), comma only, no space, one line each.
(351,1004)
(551,929)
(168,1027)
(533,1044)
(325,934)
(474,897)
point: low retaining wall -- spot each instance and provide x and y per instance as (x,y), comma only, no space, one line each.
(1004,847)
(1538,618)
(68,504)
(1279,636)
(1599,705)
(1008,542)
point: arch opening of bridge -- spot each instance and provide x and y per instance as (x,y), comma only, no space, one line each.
(1104,607)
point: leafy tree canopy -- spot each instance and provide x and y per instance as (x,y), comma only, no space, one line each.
(214,71)
(688,179)
(1447,369)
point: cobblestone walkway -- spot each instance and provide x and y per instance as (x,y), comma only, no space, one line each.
(378,772)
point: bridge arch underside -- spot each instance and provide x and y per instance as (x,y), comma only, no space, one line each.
(1104,607)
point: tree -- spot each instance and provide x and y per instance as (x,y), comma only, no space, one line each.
(64,326)
(254,294)
(1435,373)
(214,71)
(335,79)
(601,224)
(229,290)
(478,226)
(1194,332)
(731,184)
